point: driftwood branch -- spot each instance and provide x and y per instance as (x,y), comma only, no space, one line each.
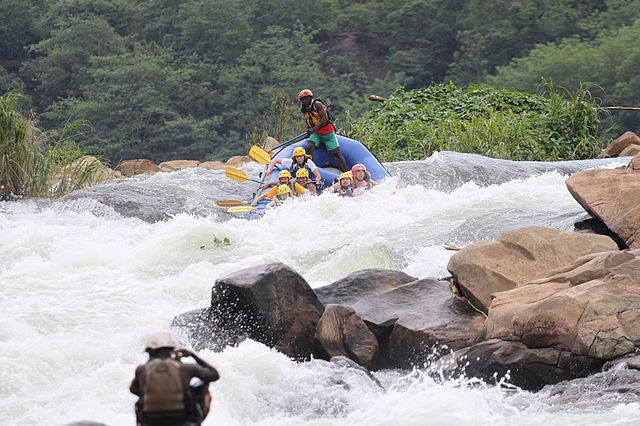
(620,108)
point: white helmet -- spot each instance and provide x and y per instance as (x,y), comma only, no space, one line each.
(160,339)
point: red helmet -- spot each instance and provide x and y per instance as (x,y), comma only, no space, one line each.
(305,93)
(357,167)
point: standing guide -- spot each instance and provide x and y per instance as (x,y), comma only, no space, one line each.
(319,127)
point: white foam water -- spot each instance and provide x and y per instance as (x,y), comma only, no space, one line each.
(86,277)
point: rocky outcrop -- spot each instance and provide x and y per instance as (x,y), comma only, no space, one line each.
(413,320)
(130,168)
(177,165)
(519,256)
(562,326)
(340,332)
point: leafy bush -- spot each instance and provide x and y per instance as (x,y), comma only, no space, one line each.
(494,123)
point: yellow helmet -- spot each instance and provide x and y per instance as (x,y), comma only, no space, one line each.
(284,173)
(284,189)
(346,175)
(302,173)
(299,151)
(304,93)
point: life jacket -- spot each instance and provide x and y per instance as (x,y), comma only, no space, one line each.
(295,167)
(312,116)
(163,389)
(367,179)
(346,191)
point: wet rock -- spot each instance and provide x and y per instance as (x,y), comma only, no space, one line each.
(613,197)
(486,267)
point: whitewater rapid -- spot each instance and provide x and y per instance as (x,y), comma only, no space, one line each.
(84,278)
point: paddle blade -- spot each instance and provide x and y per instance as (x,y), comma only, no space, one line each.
(236,174)
(259,155)
(240,209)
(230,203)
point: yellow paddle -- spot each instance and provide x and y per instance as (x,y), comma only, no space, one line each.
(230,203)
(240,209)
(239,175)
(264,157)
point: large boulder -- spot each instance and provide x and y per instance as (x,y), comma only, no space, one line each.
(613,197)
(626,144)
(362,284)
(519,256)
(560,327)
(413,320)
(271,304)
(591,309)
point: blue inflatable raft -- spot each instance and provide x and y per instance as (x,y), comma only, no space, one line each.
(352,150)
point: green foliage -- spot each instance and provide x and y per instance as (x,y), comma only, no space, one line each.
(495,123)
(609,63)
(166,79)
(29,165)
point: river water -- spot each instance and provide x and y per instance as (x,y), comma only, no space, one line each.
(86,277)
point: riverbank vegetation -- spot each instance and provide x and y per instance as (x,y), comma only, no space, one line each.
(411,125)
(34,163)
(201,79)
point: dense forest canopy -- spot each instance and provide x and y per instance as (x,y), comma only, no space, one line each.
(203,79)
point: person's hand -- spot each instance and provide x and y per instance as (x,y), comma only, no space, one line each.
(309,132)
(182,353)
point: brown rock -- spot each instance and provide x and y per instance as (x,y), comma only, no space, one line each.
(613,197)
(615,148)
(213,165)
(238,160)
(630,151)
(140,166)
(271,304)
(177,165)
(589,309)
(340,332)
(495,361)
(412,319)
(486,267)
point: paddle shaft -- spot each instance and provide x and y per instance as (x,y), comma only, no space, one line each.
(293,139)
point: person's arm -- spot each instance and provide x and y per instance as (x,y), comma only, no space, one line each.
(207,373)
(314,170)
(268,184)
(258,199)
(271,166)
(270,194)
(134,388)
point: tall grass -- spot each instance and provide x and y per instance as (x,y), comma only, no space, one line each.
(494,123)
(34,163)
